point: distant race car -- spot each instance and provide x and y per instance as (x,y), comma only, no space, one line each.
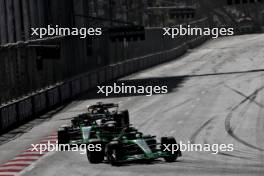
(97,117)
(131,145)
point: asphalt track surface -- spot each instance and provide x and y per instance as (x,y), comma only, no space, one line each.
(216,96)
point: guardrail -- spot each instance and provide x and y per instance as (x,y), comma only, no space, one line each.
(20,111)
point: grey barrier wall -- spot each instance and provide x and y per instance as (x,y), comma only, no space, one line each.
(39,102)
(141,57)
(22,72)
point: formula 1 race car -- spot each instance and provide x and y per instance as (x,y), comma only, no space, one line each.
(97,118)
(131,145)
(100,111)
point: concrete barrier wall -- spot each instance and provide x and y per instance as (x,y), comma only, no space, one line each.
(24,109)
(75,87)
(8,114)
(53,97)
(18,112)
(85,83)
(93,78)
(39,102)
(65,91)
(22,71)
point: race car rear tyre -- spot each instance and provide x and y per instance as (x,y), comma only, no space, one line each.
(171,141)
(122,118)
(125,118)
(112,153)
(95,157)
(63,136)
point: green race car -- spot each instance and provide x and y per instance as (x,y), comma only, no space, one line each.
(97,118)
(118,141)
(131,145)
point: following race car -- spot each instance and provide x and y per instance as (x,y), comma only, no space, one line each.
(132,145)
(97,117)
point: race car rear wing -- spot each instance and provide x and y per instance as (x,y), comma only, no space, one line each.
(103,105)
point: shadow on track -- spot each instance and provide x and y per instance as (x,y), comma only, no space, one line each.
(172,84)
(144,162)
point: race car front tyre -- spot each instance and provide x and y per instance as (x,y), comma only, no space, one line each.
(170,141)
(95,157)
(113,153)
